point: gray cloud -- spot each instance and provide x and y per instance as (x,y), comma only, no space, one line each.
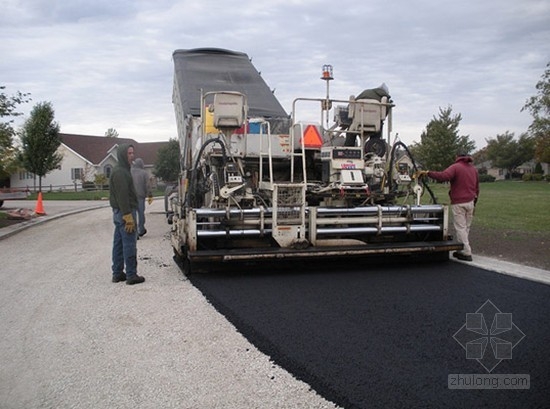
(108,64)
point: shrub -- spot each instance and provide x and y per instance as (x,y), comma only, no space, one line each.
(88,185)
(536,177)
(486,178)
(101,181)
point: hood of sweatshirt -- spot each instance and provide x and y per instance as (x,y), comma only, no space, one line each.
(138,163)
(122,155)
(465,159)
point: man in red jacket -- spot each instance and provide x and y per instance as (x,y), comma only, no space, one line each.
(464,193)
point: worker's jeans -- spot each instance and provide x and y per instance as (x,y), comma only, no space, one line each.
(141,215)
(463,214)
(124,247)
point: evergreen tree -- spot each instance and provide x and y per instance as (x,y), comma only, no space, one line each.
(440,142)
(167,165)
(40,140)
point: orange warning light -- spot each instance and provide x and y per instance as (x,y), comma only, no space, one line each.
(312,137)
(327,72)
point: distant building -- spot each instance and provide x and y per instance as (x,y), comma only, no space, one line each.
(84,157)
(497,173)
(502,174)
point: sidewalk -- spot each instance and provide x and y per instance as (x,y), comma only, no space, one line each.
(53,208)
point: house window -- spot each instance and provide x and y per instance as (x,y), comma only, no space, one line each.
(24,175)
(107,170)
(77,173)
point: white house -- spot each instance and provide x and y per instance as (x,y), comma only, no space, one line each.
(84,157)
(502,174)
(497,173)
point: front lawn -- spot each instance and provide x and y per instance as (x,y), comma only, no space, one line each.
(509,205)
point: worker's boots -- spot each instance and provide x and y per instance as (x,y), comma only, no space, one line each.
(461,256)
(135,280)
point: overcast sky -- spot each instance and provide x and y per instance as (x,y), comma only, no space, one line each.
(108,63)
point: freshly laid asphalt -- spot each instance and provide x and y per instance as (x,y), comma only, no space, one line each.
(381,336)
(369,335)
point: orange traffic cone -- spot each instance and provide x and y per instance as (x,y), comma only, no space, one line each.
(39,209)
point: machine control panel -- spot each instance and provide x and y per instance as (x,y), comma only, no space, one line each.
(343,157)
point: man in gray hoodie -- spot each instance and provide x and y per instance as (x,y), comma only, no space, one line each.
(143,190)
(123,200)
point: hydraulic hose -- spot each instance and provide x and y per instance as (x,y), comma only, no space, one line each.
(192,191)
(392,155)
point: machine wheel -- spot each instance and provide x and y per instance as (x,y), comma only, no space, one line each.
(376,145)
(187,266)
(182,261)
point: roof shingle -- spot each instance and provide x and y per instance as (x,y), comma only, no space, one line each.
(96,148)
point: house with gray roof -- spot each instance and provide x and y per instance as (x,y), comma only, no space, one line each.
(84,157)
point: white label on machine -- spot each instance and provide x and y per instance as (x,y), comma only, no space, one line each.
(352,177)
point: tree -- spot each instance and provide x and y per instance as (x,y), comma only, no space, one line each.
(167,165)
(39,142)
(111,133)
(440,142)
(507,153)
(8,110)
(480,156)
(101,180)
(539,107)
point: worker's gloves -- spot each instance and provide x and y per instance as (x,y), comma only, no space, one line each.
(150,199)
(420,174)
(129,223)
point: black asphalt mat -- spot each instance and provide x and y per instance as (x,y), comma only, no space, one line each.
(381,335)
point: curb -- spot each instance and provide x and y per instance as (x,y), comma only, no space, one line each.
(508,268)
(16,228)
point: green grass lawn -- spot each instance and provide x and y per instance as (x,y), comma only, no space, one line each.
(509,205)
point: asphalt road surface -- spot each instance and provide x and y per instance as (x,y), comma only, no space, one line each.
(354,335)
(389,335)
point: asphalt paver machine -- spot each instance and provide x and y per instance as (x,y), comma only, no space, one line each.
(259,184)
